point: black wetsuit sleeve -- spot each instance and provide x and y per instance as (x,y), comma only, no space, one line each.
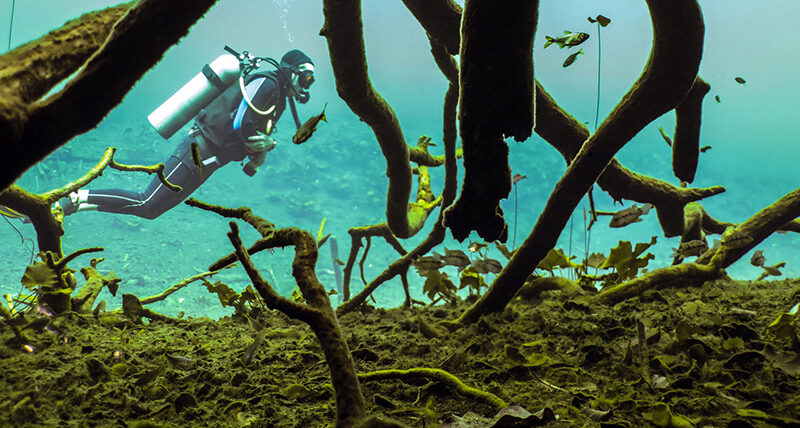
(265,97)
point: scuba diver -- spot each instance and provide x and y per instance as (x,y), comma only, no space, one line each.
(231,127)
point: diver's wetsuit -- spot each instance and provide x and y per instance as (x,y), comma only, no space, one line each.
(220,131)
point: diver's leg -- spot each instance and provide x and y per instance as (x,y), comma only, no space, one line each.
(157,198)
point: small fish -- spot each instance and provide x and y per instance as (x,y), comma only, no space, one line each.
(716,98)
(740,81)
(517,177)
(773,270)
(602,20)
(475,247)
(339,262)
(568,39)
(758,258)
(629,215)
(695,247)
(250,351)
(733,238)
(179,362)
(307,129)
(453,258)
(198,160)
(704,149)
(570,59)
(665,136)
(595,260)
(487,266)
(426,263)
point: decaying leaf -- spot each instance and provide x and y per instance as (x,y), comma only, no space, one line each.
(227,296)
(555,258)
(625,259)
(39,274)
(473,280)
(438,283)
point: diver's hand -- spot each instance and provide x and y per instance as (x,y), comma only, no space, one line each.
(260,142)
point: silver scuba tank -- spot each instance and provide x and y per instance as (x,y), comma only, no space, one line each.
(195,95)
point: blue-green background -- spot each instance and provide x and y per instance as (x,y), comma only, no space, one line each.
(339,174)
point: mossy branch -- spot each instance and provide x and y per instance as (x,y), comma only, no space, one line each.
(33,129)
(438,375)
(152,169)
(164,294)
(682,275)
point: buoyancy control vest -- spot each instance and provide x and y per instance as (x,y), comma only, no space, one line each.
(216,120)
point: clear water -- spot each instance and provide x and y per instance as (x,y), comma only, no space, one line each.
(339,174)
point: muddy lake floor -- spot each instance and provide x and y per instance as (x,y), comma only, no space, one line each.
(710,360)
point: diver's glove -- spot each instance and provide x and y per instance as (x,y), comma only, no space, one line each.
(256,160)
(259,143)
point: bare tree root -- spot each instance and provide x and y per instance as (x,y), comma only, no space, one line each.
(418,213)
(683,275)
(441,19)
(567,134)
(166,293)
(437,375)
(449,68)
(357,234)
(317,313)
(497,101)
(670,71)
(32,131)
(343,30)
(780,215)
(686,142)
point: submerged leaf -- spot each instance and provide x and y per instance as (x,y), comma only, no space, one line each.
(39,274)
(438,283)
(555,258)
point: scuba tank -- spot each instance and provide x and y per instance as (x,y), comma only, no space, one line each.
(195,95)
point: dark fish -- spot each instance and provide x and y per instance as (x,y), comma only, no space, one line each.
(733,238)
(307,129)
(740,81)
(571,59)
(629,215)
(568,39)
(250,351)
(517,177)
(716,98)
(695,247)
(773,270)
(704,149)
(758,258)
(427,263)
(665,136)
(453,258)
(487,266)
(602,20)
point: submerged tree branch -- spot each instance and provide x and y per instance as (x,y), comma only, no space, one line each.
(670,71)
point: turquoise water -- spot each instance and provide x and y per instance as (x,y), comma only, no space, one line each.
(339,174)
